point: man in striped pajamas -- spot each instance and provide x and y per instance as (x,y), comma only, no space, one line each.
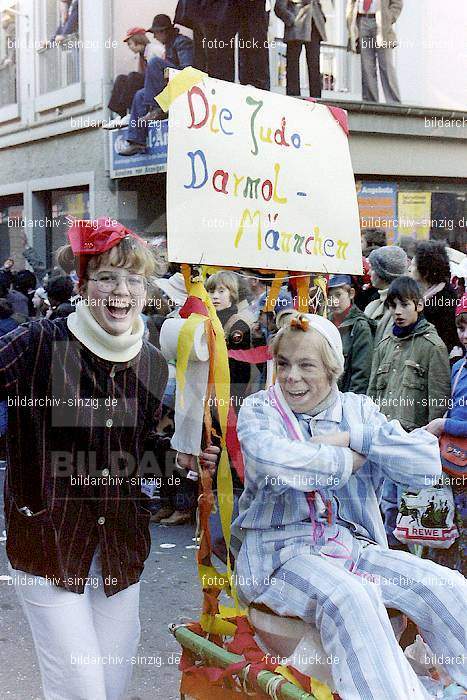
(309,538)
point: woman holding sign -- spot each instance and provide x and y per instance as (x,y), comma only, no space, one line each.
(310,540)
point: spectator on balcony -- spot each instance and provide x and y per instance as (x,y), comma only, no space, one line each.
(69,20)
(178,54)
(126,86)
(304,26)
(371,33)
(215,25)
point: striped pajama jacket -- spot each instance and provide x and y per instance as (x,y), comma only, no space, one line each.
(310,541)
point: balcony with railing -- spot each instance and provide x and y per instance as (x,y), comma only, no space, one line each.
(339,71)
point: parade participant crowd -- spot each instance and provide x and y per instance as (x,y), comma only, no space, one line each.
(372,383)
(398,325)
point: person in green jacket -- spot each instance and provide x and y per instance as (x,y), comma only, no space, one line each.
(410,376)
(357,331)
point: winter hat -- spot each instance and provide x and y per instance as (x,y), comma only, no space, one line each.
(389,262)
(461,307)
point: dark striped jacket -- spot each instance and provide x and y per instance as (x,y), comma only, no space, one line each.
(76,431)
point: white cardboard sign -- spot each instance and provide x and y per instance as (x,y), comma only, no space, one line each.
(259,180)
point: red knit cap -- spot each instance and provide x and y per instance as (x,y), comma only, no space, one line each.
(90,237)
(461,307)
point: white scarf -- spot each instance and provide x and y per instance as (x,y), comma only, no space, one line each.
(116,348)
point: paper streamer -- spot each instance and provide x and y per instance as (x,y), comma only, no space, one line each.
(170,333)
(274,291)
(190,394)
(181,83)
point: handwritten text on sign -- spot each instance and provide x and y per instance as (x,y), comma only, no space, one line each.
(259,180)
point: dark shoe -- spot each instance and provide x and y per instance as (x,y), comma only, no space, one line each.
(131,149)
(177,518)
(164,512)
(156,115)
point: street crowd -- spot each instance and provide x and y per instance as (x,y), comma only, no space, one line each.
(91,327)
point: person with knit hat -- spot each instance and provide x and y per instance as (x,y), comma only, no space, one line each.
(387,264)
(309,539)
(454,423)
(84,392)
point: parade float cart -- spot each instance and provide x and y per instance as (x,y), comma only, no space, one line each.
(255,181)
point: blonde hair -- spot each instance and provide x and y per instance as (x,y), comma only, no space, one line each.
(140,38)
(334,369)
(130,254)
(228,280)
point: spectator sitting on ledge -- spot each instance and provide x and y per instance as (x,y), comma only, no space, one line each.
(178,54)
(125,87)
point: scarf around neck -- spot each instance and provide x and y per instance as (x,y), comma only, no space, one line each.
(404,332)
(115,348)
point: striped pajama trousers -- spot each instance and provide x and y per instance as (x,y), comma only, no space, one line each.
(349,610)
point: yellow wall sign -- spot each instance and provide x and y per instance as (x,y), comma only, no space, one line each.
(414,214)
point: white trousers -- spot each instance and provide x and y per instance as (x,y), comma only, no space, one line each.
(84,642)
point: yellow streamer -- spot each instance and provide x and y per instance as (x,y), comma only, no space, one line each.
(318,689)
(181,83)
(226,612)
(211,578)
(274,291)
(210,270)
(303,290)
(222,390)
(184,347)
(321,282)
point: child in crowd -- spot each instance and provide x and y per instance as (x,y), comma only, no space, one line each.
(223,290)
(456,424)
(356,331)
(410,376)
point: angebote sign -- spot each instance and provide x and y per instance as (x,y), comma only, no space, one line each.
(259,180)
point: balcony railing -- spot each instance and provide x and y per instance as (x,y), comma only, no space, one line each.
(59,65)
(7,84)
(339,71)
